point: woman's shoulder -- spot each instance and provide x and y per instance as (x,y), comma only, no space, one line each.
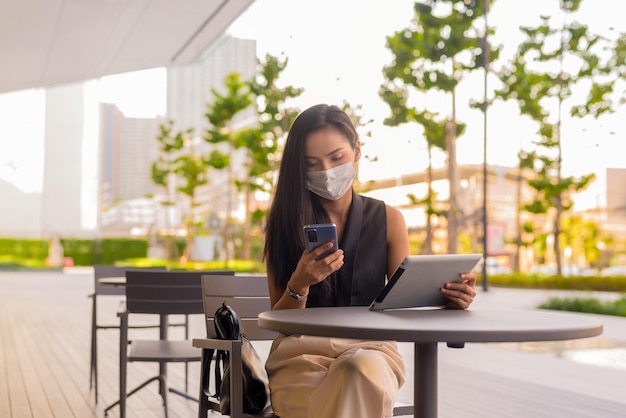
(380,205)
(370,201)
(393,211)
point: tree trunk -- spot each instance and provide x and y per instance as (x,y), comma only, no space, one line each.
(518,222)
(246,225)
(453,182)
(427,246)
(559,208)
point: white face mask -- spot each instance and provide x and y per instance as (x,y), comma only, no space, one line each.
(331,184)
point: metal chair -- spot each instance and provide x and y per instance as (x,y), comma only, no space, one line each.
(162,293)
(100,272)
(248,295)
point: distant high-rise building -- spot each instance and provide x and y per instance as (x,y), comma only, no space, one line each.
(129,145)
(128,149)
(189,91)
(189,86)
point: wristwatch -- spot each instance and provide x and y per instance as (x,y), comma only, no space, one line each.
(296,296)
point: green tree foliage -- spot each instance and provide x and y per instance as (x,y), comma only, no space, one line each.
(263,141)
(221,113)
(553,61)
(258,135)
(178,170)
(440,48)
(582,237)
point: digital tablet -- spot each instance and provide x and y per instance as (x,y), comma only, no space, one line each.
(419,279)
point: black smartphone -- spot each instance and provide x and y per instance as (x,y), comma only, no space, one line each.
(318,234)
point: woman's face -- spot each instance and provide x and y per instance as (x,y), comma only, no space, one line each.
(328,148)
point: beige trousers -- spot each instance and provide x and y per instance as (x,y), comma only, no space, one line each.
(319,377)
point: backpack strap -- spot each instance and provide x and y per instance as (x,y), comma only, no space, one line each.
(226,323)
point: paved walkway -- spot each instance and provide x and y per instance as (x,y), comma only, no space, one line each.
(538,379)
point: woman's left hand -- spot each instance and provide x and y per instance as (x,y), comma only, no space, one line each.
(460,294)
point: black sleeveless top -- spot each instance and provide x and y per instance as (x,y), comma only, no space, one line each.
(364,243)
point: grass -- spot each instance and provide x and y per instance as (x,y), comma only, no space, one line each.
(587,305)
(247,266)
(11,263)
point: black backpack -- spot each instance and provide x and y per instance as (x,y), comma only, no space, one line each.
(255,380)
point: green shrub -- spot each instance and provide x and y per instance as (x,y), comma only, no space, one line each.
(589,283)
(240,266)
(587,305)
(24,248)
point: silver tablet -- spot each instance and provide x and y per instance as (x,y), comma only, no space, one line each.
(419,279)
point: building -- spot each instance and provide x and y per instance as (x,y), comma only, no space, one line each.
(68,145)
(506,193)
(129,148)
(616,201)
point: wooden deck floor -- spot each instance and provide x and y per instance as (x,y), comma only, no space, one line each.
(44,353)
(44,365)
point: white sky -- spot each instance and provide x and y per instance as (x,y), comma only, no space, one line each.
(336,51)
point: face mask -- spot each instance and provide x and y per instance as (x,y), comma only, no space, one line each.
(331,184)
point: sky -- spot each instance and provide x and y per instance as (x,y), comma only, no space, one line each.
(336,52)
(342,46)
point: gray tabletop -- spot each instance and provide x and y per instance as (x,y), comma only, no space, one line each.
(426,328)
(433,325)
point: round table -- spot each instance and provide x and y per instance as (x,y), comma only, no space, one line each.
(427,327)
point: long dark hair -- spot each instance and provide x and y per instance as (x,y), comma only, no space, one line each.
(294,205)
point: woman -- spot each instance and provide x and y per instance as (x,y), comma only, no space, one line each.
(317,377)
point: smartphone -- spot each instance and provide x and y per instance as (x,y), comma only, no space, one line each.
(318,234)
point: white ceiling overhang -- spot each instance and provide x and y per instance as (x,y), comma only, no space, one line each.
(49,42)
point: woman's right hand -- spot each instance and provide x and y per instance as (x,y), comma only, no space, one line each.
(310,271)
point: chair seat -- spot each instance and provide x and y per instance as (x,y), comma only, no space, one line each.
(163,350)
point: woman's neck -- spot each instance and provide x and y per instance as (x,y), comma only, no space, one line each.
(339,209)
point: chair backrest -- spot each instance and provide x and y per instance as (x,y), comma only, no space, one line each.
(248,295)
(166,292)
(101,271)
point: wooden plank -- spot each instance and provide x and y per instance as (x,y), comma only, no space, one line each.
(17,395)
(5,334)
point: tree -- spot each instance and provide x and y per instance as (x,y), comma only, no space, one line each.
(361,124)
(550,64)
(263,142)
(275,117)
(435,53)
(179,169)
(583,238)
(221,133)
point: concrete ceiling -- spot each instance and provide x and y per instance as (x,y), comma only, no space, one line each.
(48,42)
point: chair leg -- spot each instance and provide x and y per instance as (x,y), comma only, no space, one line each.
(186,363)
(203,405)
(186,377)
(93,361)
(203,400)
